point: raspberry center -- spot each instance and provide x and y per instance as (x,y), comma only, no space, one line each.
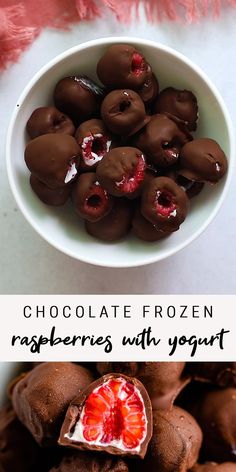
(96,201)
(134,177)
(138,64)
(94,147)
(165,205)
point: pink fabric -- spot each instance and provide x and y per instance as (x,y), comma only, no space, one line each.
(21,21)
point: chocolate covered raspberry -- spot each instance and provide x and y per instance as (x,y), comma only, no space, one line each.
(181,103)
(90,200)
(164,204)
(213,467)
(50,196)
(203,160)
(191,187)
(222,374)
(94,141)
(122,66)
(123,112)
(145,230)
(161,140)
(79,97)
(150,88)
(122,171)
(82,461)
(53,159)
(45,120)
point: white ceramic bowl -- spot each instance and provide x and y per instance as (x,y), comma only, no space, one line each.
(59,226)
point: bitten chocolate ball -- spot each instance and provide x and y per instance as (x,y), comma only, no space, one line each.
(94,141)
(83,462)
(161,140)
(41,397)
(216,413)
(18,450)
(50,196)
(53,159)
(181,103)
(122,66)
(175,442)
(123,112)
(115,225)
(90,200)
(122,171)
(203,160)
(46,120)
(222,374)
(79,97)
(145,230)
(213,467)
(164,204)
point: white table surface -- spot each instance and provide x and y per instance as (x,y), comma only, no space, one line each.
(30,265)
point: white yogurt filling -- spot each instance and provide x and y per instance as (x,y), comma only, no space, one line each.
(90,161)
(71,173)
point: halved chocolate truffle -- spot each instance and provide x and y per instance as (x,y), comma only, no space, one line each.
(90,200)
(164,204)
(50,196)
(94,141)
(122,66)
(122,171)
(123,112)
(46,120)
(213,467)
(115,225)
(85,462)
(53,159)
(41,397)
(181,103)
(222,374)
(161,140)
(175,442)
(203,160)
(113,415)
(79,97)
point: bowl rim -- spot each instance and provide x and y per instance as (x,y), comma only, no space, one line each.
(150,257)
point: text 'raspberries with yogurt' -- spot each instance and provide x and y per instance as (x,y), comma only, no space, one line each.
(121,147)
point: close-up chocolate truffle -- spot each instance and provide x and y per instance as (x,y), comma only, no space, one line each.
(53,159)
(175,443)
(94,141)
(82,461)
(122,66)
(213,467)
(50,196)
(113,415)
(122,171)
(161,140)
(46,120)
(90,200)
(79,97)
(164,204)
(115,225)
(41,397)
(123,112)
(203,160)
(181,103)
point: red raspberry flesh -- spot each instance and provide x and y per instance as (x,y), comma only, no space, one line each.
(132,181)
(94,147)
(164,203)
(171,151)
(138,64)
(96,202)
(114,414)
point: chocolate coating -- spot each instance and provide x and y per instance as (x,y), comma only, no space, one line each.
(79,97)
(161,140)
(213,467)
(94,141)
(149,90)
(83,462)
(115,225)
(145,230)
(222,374)
(181,103)
(191,187)
(164,204)
(123,112)
(175,443)
(90,200)
(46,120)
(53,159)
(50,196)
(122,66)
(203,160)
(18,450)
(216,413)
(122,171)
(41,397)
(76,407)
